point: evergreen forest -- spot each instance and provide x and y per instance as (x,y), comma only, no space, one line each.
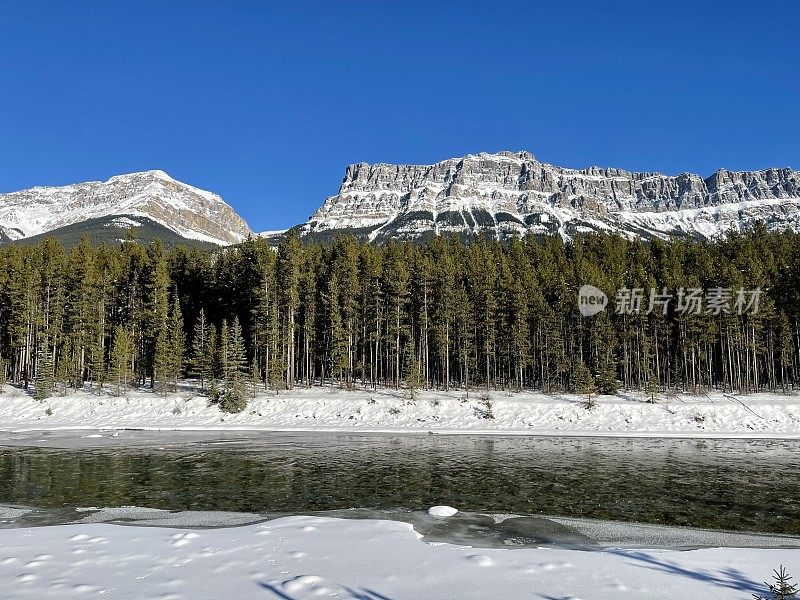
(446,314)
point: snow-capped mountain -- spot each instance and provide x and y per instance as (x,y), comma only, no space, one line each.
(498,194)
(513,193)
(122,201)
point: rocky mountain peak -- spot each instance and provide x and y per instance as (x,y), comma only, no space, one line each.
(512,193)
(188,211)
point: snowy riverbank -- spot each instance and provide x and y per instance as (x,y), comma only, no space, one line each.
(333,409)
(310,557)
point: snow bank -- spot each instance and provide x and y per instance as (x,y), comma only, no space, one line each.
(312,557)
(332,409)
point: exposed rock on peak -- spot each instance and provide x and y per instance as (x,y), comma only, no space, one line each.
(188,211)
(512,193)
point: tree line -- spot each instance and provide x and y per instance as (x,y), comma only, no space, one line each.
(444,314)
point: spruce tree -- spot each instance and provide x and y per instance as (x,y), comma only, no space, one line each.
(607,382)
(782,589)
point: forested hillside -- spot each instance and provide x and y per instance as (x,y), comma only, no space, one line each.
(444,315)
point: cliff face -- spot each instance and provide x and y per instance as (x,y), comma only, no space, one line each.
(512,193)
(190,212)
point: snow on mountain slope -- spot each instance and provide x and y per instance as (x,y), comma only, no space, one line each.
(508,193)
(188,211)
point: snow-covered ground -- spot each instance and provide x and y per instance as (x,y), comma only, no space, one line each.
(318,557)
(333,409)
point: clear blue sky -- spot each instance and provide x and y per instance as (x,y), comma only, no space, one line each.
(265,103)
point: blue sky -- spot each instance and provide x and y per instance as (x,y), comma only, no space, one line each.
(265,103)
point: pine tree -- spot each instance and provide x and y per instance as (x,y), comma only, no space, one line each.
(337,341)
(412,369)
(176,343)
(97,360)
(309,306)
(516,284)
(162,362)
(482,275)
(602,345)
(396,285)
(211,359)
(222,353)
(233,398)
(218,359)
(81,314)
(784,350)
(255,380)
(156,309)
(583,382)
(213,392)
(3,376)
(44,372)
(275,378)
(288,279)
(200,363)
(652,388)
(442,318)
(121,356)
(64,366)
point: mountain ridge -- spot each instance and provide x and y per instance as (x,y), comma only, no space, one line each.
(512,193)
(498,194)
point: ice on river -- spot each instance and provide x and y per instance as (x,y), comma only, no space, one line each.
(318,557)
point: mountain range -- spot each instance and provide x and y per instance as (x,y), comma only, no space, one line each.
(497,195)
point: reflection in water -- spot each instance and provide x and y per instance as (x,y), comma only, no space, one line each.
(725,484)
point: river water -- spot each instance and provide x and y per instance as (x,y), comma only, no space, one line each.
(735,485)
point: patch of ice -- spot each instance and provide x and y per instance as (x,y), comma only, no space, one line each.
(442,511)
